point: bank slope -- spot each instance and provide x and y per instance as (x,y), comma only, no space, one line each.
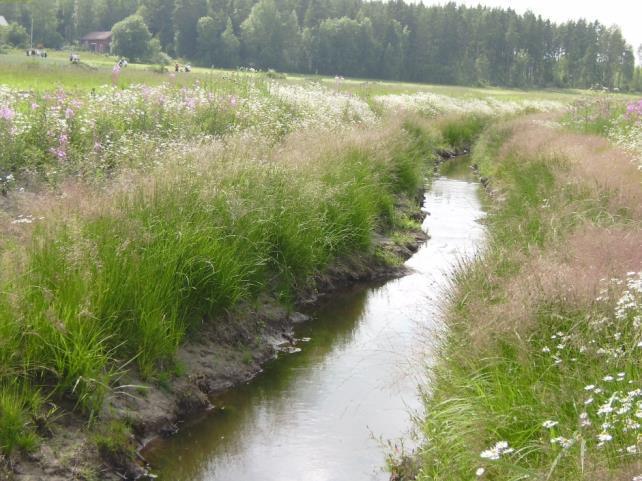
(539,373)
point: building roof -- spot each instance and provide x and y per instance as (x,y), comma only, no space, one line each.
(96,36)
(3,22)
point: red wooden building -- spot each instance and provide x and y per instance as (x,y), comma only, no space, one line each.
(97,41)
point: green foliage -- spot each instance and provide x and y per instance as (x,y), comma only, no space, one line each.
(15,35)
(344,46)
(45,24)
(217,42)
(131,281)
(185,23)
(230,46)
(16,431)
(410,163)
(209,32)
(114,443)
(131,39)
(158,17)
(270,37)
(447,44)
(461,132)
(486,149)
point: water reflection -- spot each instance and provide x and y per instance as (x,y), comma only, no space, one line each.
(315,415)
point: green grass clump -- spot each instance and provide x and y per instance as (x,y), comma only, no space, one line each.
(16,426)
(115,444)
(461,132)
(95,292)
(486,149)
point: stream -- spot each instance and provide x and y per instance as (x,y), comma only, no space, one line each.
(327,412)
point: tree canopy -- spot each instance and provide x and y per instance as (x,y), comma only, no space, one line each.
(131,38)
(448,44)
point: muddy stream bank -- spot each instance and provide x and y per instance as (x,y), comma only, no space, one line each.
(325,412)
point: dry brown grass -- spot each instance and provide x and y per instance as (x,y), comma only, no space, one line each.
(588,159)
(622,473)
(570,268)
(570,272)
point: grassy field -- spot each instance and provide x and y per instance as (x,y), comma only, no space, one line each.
(95,70)
(133,213)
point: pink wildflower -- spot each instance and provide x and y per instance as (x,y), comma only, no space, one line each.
(7,113)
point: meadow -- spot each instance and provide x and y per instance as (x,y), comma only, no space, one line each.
(539,372)
(132,216)
(137,207)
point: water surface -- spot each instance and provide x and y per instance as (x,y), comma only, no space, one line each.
(320,414)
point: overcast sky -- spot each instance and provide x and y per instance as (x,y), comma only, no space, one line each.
(625,13)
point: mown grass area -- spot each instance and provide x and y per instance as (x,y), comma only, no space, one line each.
(26,73)
(539,373)
(95,70)
(365,88)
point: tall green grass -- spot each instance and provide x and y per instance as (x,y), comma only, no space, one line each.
(461,132)
(95,293)
(501,377)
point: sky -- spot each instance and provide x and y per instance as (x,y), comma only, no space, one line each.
(627,14)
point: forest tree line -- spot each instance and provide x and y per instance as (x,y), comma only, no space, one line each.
(447,44)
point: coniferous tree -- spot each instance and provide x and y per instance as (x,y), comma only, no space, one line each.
(185,19)
(393,39)
(230,46)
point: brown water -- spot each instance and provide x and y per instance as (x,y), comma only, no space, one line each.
(320,414)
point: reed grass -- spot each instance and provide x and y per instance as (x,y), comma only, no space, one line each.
(539,374)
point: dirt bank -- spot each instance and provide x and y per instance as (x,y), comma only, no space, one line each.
(219,356)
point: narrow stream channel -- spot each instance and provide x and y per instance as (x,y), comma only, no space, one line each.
(320,414)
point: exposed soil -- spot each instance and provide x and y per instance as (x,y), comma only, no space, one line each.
(224,353)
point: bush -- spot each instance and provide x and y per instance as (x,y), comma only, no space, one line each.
(15,35)
(131,39)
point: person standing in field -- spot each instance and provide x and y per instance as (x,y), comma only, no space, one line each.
(115,74)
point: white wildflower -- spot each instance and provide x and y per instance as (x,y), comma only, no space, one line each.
(584,419)
(565,443)
(497,451)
